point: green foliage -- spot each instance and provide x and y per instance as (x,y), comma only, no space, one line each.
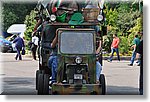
(138,27)
(130,39)
(15,13)
(107,40)
(111,16)
(124,19)
(123,46)
(9,19)
(30,23)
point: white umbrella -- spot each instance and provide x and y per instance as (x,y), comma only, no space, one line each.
(17,29)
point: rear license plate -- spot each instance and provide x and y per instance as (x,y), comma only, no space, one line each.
(77,76)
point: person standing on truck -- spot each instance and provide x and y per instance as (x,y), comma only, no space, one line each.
(53,59)
(40,27)
(19,44)
(114,47)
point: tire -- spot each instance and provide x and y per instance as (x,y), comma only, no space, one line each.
(3,51)
(46,84)
(37,73)
(40,84)
(102,82)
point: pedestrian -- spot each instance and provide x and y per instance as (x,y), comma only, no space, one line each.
(136,41)
(34,46)
(140,54)
(114,47)
(19,44)
(139,58)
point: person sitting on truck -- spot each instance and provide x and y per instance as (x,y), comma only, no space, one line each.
(98,64)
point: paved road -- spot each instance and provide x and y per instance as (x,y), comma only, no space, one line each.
(121,78)
(19,76)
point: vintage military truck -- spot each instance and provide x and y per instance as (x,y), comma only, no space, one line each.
(77,41)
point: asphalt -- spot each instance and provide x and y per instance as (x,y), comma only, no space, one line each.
(19,76)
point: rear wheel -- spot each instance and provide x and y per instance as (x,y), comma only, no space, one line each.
(37,73)
(46,84)
(102,82)
(40,84)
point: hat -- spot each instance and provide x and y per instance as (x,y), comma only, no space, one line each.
(76,19)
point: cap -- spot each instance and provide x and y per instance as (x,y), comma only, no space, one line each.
(76,19)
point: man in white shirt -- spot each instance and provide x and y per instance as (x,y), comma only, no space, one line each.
(34,46)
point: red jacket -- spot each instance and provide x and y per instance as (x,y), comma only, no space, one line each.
(115,42)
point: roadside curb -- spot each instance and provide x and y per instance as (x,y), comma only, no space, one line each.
(116,58)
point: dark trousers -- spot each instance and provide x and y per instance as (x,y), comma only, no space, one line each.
(141,78)
(18,53)
(33,49)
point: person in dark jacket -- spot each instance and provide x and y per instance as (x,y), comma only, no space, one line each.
(19,44)
(139,51)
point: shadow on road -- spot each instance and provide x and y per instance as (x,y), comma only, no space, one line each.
(18,86)
(122,90)
(26,86)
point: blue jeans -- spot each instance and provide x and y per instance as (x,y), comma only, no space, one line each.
(53,64)
(139,60)
(98,70)
(133,57)
(18,53)
(112,53)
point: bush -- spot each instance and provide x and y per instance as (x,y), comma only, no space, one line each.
(124,45)
(30,22)
(107,43)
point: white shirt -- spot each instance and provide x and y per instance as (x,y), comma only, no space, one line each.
(35,40)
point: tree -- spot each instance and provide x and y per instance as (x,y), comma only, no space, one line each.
(15,13)
(125,19)
(30,23)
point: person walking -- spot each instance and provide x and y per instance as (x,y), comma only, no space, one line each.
(136,41)
(114,47)
(19,44)
(34,46)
